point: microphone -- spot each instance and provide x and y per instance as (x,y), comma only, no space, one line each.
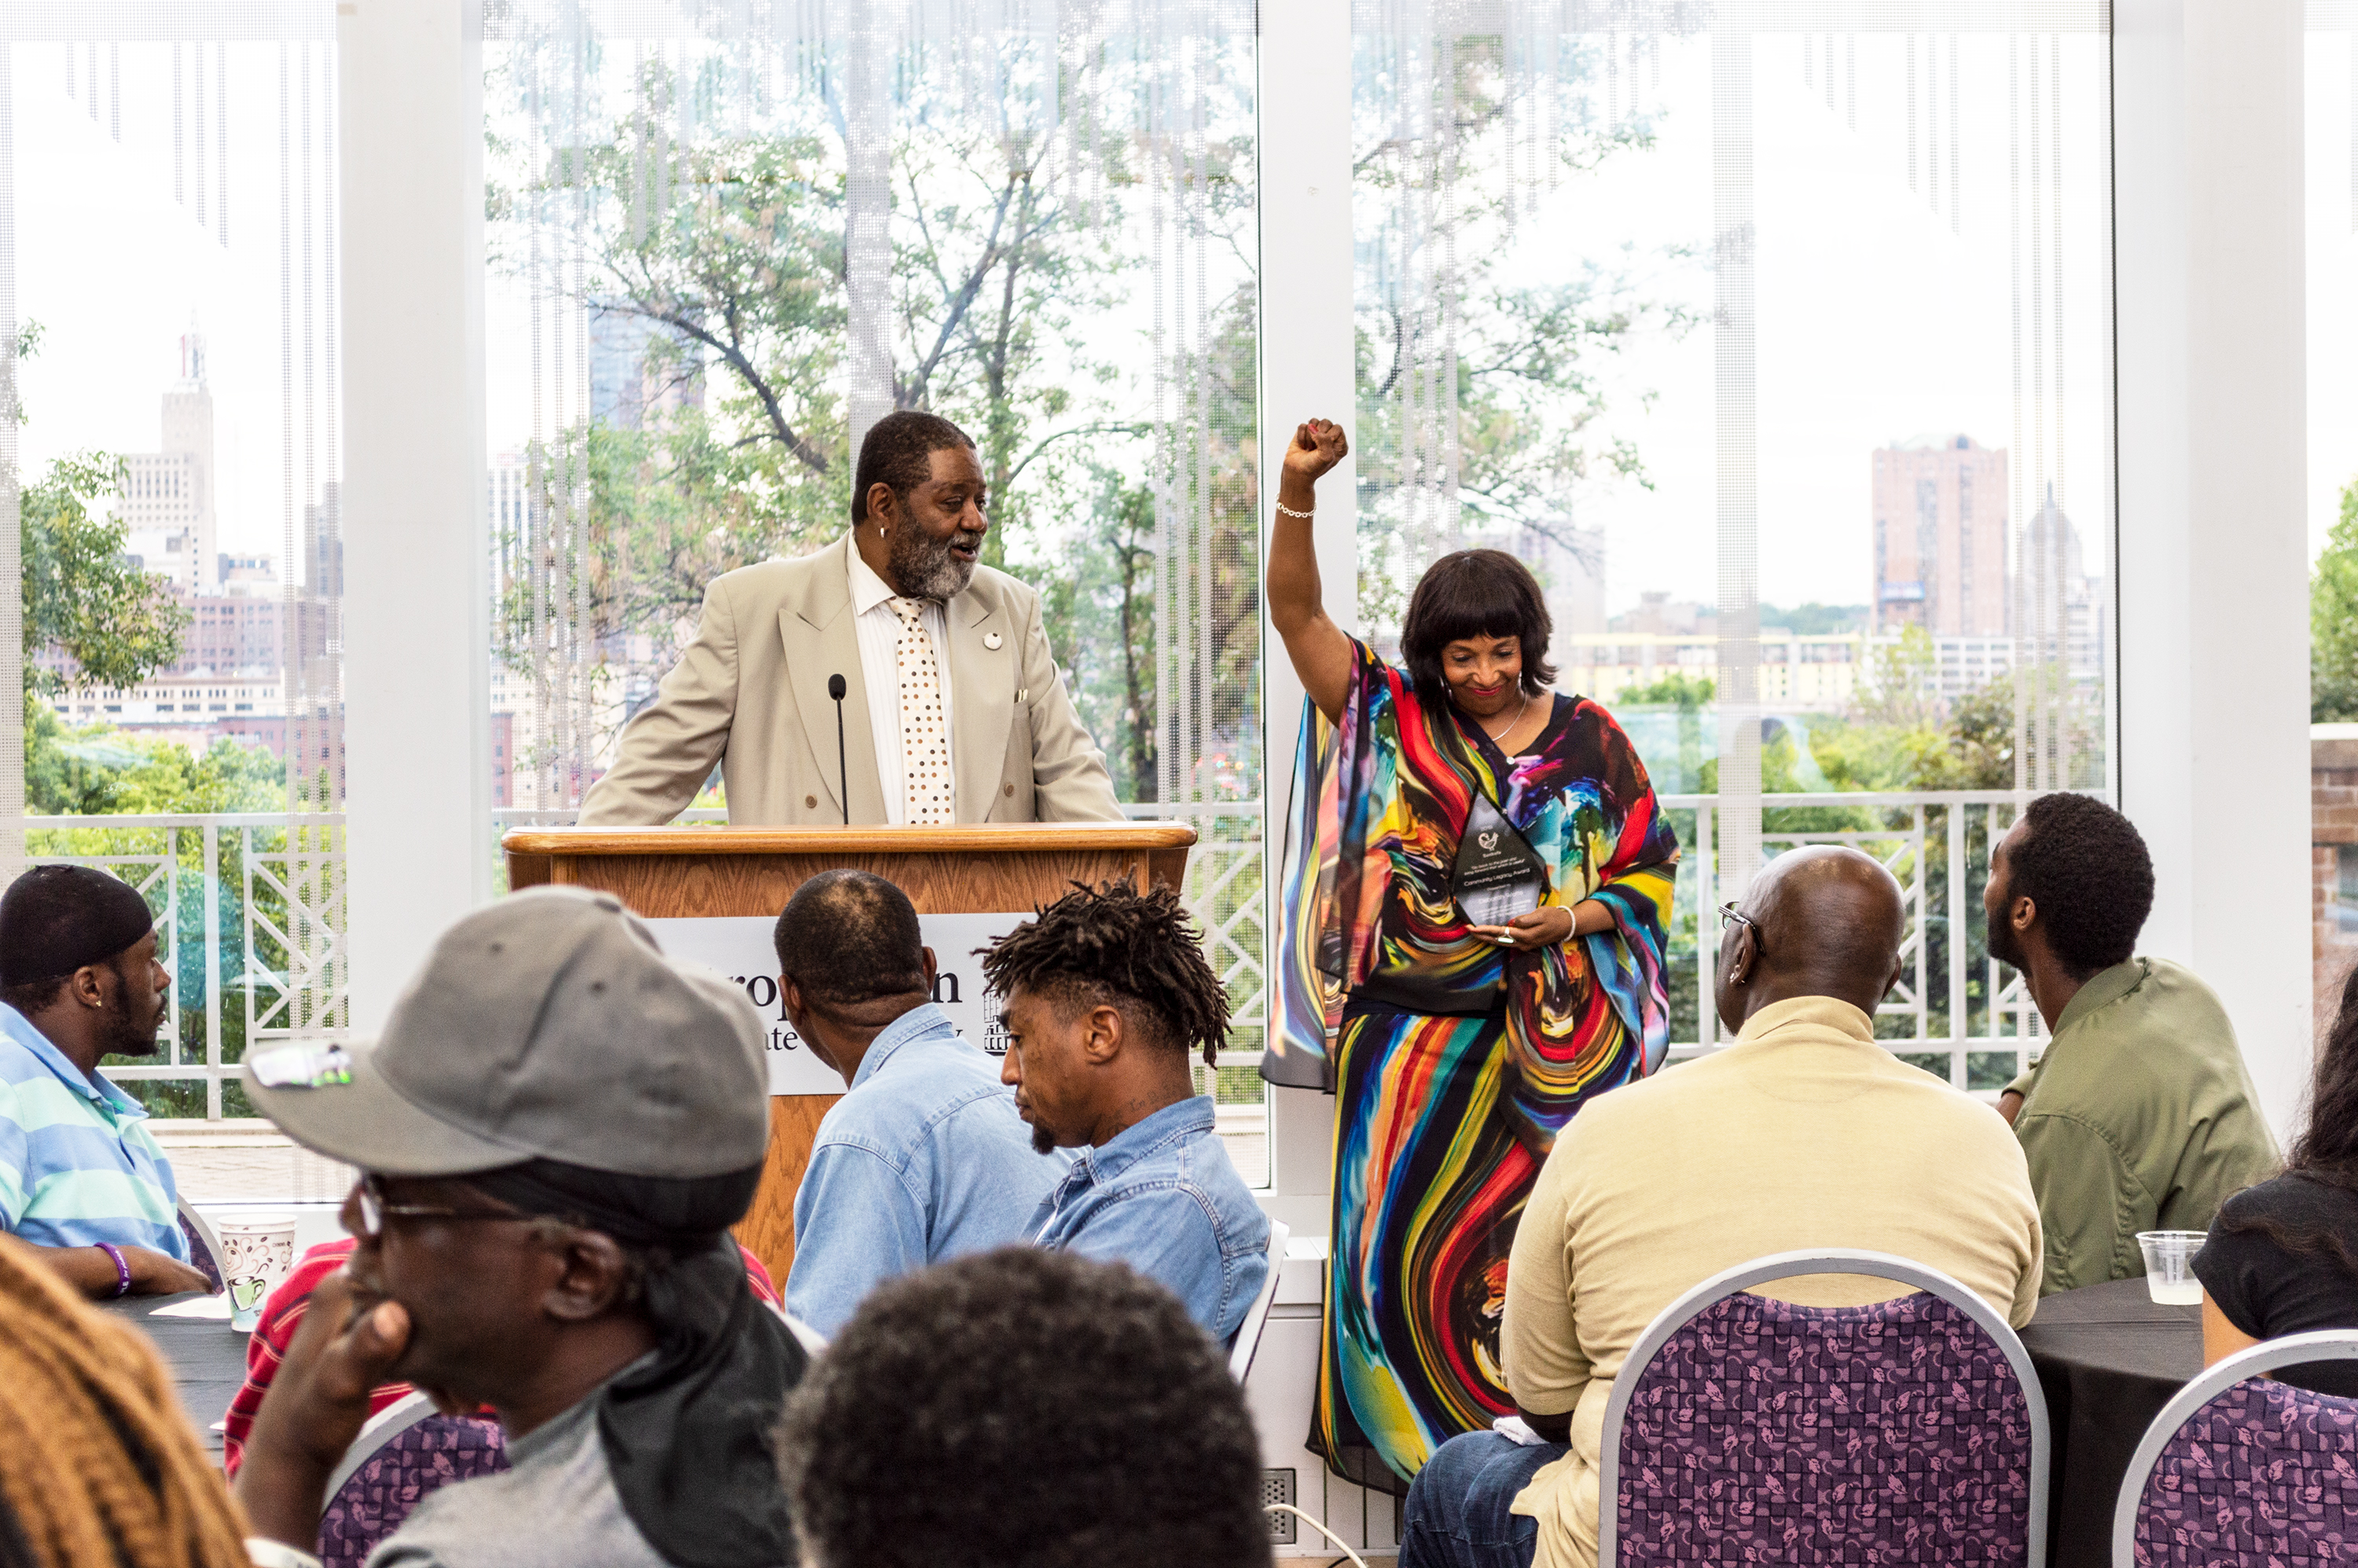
(835,689)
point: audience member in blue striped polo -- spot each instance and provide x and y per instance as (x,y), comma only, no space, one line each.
(81,1176)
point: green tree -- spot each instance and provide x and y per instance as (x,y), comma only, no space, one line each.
(1814,620)
(2333,619)
(91,616)
(998,298)
(1688,694)
(112,624)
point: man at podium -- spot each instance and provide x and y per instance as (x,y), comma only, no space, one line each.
(935,668)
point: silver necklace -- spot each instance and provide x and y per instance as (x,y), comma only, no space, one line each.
(1509,729)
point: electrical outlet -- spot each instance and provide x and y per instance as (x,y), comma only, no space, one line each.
(1277,1486)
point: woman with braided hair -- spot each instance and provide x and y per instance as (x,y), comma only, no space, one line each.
(97,1466)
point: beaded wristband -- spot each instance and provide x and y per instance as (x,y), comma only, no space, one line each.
(1289,512)
(122,1267)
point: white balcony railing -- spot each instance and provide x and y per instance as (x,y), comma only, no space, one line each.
(252,920)
(1955,1010)
(249,923)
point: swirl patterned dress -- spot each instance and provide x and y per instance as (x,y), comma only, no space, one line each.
(1454,1061)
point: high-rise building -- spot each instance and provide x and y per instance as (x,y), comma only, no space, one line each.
(169,496)
(1570,564)
(1940,537)
(638,367)
(2058,599)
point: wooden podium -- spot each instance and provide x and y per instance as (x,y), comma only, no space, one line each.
(686,872)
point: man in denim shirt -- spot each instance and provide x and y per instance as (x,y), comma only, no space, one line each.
(924,1158)
(1107,991)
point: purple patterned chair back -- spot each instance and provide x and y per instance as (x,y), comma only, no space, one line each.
(1746,1431)
(391,1481)
(2239,1469)
(204,1248)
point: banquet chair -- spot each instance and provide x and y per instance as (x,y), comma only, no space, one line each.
(1745,1430)
(2239,1468)
(204,1246)
(407,1452)
(1248,1340)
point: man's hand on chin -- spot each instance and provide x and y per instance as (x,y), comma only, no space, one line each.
(315,1407)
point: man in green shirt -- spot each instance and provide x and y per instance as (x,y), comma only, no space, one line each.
(2139,1115)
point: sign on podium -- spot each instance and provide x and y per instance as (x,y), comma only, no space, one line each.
(712,894)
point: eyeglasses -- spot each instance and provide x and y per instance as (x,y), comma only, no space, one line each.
(377,1208)
(1728,912)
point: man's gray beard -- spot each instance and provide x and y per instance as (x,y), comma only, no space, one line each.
(923,566)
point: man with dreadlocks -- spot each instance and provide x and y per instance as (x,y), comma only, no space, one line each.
(555,1131)
(1106,992)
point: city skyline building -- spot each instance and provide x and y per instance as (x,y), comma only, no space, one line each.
(169,496)
(1939,534)
(638,367)
(1569,561)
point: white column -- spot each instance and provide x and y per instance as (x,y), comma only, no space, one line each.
(2212,537)
(416,608)
(1305,373)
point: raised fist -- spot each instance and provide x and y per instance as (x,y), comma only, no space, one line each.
(1317,445)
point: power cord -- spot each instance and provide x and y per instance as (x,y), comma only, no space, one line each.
(1340,1545)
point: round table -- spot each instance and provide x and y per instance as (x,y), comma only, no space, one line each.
(2108,1360)
(205,1355)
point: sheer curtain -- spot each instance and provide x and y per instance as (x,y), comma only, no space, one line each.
(168,280)
(726,238)
(1775,336)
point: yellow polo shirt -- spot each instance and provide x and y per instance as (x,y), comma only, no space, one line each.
(1804,1132)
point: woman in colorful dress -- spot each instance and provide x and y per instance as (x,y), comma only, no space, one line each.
(1456,1051)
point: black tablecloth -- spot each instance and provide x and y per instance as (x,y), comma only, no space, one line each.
(2109,1359)
(206,1356)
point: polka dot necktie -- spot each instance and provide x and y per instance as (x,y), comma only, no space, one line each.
(925,729)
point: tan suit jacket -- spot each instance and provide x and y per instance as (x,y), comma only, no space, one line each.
(750,692)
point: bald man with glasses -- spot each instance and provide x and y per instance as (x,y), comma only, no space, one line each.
(1803,1132)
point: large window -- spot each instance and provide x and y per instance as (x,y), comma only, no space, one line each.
(1782,353)
(172,552)
(2331,163)
(719,252)
(1783,356)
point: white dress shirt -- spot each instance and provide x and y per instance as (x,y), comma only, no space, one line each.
(880,666)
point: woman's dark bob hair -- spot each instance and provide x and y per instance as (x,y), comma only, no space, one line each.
(1476,593)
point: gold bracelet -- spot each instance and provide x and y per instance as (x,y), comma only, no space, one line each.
(1288,511)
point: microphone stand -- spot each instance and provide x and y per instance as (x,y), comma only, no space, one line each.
(835,688)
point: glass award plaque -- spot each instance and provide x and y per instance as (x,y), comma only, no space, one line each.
(1498,877)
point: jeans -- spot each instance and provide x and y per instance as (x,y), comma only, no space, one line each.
(1456,1513)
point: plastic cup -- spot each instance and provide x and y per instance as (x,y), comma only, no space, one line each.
(2169,1265)
(259,1251)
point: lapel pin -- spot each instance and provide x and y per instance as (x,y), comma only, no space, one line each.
(990,640)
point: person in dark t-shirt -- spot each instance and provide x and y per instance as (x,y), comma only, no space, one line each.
(2282,1257)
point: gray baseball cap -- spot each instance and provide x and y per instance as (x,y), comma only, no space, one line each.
(549,1025)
